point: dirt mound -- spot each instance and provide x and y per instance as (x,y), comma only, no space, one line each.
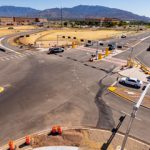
(68,138)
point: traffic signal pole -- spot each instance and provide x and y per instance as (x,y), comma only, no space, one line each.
(133,115)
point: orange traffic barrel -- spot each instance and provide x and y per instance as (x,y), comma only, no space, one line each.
(28,140)
(11,145)
(59,130)
(54,130)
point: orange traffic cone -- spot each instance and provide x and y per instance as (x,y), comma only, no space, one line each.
(28,140)
(59,130)
(11,145)
(54,130)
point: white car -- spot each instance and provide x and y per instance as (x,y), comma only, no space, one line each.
(131,81)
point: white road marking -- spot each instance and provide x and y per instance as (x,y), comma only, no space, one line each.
(7,58)
(6,85)
(6,47)
(114,83)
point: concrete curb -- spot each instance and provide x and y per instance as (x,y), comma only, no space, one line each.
(22,140)
(112,89)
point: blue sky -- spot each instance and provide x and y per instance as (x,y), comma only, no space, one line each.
(141,7)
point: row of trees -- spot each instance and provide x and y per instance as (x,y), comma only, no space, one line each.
(104,24)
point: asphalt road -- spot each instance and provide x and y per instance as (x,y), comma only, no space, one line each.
(43,90)
(139,50)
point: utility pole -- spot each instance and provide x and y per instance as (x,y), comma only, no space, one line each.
(61,15)
(133,115)
(131,53)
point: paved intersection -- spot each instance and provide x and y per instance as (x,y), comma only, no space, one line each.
(61,89)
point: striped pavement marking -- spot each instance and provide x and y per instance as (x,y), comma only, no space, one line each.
(86,49)
(116,61)
(17,56)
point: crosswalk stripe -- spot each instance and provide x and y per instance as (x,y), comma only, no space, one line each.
(115,61)
(86,49)
(16,56)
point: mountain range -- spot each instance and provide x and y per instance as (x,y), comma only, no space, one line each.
(77,12)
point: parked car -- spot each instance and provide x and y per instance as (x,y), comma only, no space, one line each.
(55,50)
(111,46)
(10,28)
(101,43)
(123,36)
(119,46)
(134,82)
(148,49)
(88,44)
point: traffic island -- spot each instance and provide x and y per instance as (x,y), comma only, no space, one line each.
(130,95)
(79,138)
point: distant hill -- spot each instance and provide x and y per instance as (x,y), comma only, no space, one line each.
(10,11)
(77,12)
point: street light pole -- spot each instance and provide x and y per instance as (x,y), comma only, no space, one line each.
(61,15)
(131,53)
(133,115)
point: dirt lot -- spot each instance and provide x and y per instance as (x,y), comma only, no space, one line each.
(49,38)
(81,34)
(15,29)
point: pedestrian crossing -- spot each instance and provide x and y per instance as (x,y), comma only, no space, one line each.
(13,56)
(110,59)
(88,49)
(116,61)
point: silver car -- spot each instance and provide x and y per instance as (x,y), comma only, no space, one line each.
(134,82)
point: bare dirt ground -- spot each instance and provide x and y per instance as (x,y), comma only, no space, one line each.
(5,31)
(47,38)
(85,139)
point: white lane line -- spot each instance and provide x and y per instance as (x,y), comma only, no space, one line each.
(114,83)
(114,62)
(141,40)
(145,38)
(2,59)
(20,56)
(6,47)
(6,85)
(28,54)
(7,58)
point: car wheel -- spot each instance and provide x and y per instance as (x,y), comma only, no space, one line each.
(123,82)
(136,86)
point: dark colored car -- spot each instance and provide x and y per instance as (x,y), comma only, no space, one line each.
(111,46)
(55,50)
(119,46)
(88,44)
(148,49)
(3,50)
(10,28)
(123,36)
